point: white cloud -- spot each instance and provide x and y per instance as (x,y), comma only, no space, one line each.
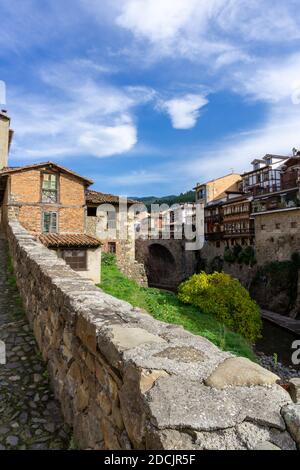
(271,81)
(278,135)
(155,20)
(184,111)
(79,116)
(197,29)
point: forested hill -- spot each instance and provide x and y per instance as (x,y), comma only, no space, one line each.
(189,196)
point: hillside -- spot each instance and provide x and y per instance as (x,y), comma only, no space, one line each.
(189,196)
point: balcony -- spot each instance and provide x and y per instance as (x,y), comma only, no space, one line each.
(241,232)
(278,202)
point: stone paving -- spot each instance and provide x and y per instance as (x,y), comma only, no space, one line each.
(30,417)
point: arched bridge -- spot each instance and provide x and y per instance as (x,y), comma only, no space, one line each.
(167,262)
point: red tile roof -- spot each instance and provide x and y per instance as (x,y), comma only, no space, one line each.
(8,171)
(72,240)
(95,197)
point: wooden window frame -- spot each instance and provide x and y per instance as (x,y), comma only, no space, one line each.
(114,245)
(43,223)
(57,175)
(84,258)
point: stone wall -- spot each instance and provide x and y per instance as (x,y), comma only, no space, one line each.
(125,249)
(125,380)
(277,235)
(167,262)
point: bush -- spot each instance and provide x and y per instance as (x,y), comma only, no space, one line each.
(229,256)
(240,255)
(247,256)
(225,298)
(108,259)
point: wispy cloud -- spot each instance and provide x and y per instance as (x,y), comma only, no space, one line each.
(78,117)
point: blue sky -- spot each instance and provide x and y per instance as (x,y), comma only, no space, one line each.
(149,97)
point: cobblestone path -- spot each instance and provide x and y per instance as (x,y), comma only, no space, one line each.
(30,417)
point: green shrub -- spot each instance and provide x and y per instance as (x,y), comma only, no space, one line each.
(216,264)
(247,256)
(229,255)
(225,298)
(108,259)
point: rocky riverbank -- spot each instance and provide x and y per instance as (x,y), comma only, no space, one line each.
(284,372)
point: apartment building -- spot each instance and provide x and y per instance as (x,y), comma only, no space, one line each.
(264,212)
(216,188)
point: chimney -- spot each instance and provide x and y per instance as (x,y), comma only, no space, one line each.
(5,138)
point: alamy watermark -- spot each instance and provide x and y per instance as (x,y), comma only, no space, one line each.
(296,353)
(179,222)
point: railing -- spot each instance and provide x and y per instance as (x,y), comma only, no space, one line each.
(241,231)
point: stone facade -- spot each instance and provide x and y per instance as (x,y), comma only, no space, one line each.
(5,137)
(124,249)
(277,235)
(127,381)
(167,262)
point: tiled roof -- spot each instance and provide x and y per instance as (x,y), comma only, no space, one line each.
(72,240)
(8,171)
(95,197)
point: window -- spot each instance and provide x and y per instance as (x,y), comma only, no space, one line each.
(92,211)
(294,224)
(111,220)
(76,259)
(263,227)
(50,222)
(202,193)
(112,247)
(49,188)
(277,226)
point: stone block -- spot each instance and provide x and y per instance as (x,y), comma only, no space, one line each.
(291,415)
(239,371)
(294,389)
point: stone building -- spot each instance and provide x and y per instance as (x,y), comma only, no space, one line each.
(49,201)
(6,135)
(277,216)
(112,221)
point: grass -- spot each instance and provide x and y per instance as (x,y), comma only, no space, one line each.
(165,306)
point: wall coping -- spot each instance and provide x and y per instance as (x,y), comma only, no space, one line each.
(161,371)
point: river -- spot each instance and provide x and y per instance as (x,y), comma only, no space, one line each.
(277,340)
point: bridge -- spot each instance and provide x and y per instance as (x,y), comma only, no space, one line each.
(167,262)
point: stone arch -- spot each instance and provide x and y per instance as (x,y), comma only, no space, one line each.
(161,266)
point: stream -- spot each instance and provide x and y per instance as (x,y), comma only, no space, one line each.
(277,341)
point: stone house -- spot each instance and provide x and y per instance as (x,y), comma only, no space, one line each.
(49,202)
(113,221)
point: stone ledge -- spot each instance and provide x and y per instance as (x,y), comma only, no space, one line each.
(126,380)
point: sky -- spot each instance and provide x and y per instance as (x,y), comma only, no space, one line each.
(149,97)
